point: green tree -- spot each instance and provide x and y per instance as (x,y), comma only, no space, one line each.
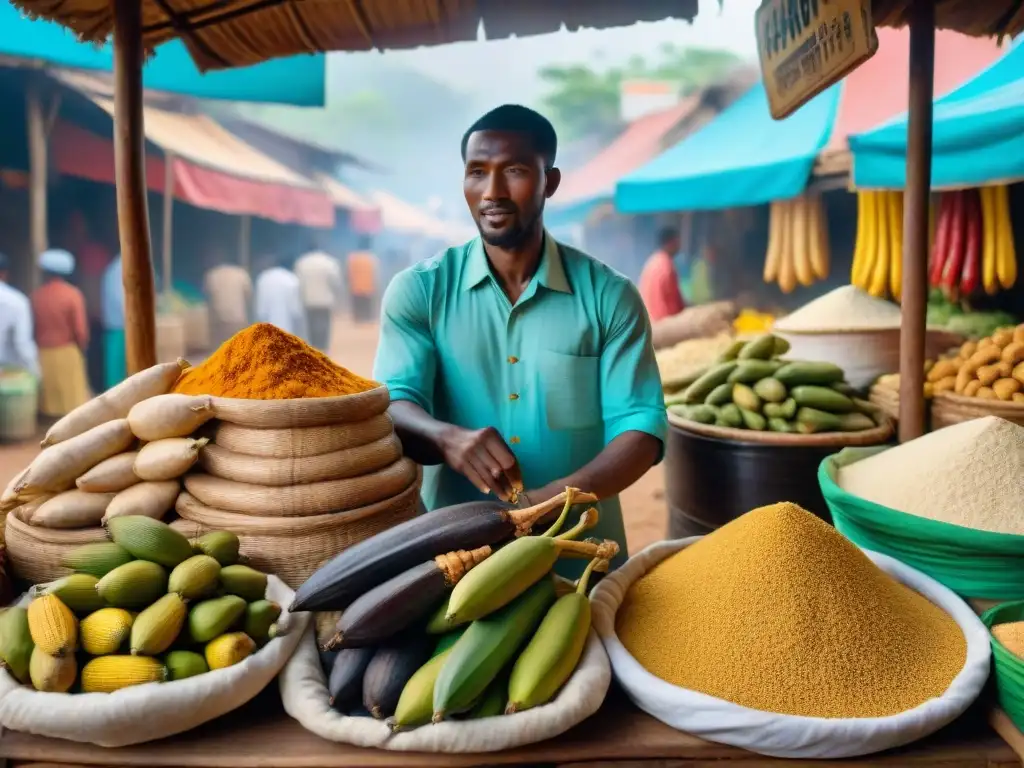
(584,99)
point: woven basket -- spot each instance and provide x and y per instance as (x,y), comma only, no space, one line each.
(338,465)
(36,553)
(302,412)
(875,436)
(294,547)
(300,442)
(302,500)
(887,398)
(949,409)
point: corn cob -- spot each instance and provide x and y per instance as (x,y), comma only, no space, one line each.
(97,559)
(195,578)
(106,674)
(389,670)
(133,585)
(376,559)
(222,546)
(53,626)
(416,704)
(228,650)
(183,664)
(51,674)
(396,604)
(246,582)
(514,568)
(259,620)
(550,658)
(486,647)
(157,627)
(211,618)
(105,631)
(149,539)
(15,642)
(77,592)
(345,683)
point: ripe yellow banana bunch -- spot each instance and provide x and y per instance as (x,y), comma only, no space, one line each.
(878,252)
(798,250)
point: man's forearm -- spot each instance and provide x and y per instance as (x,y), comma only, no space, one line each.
(622,462)
(421,434)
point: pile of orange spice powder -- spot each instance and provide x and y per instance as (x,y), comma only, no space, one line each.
(265,363)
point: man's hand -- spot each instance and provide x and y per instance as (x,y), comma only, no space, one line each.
(484,458)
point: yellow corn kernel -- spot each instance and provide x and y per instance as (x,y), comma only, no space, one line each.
(53,626)
(158,626)
(104,631)
(106,674)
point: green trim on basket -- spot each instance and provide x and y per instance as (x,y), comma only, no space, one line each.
(1009,667)
(978,564)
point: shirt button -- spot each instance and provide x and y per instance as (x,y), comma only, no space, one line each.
(514,440)
(512,359)
(513,396)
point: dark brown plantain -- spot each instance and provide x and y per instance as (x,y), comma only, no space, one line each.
(375,560)
(398,603)
(345,685)
(389,671)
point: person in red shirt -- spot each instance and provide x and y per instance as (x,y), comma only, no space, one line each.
(62,335)
(659,282)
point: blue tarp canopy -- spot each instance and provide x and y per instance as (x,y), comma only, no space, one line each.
(298,80)
(742,157)
(978,134)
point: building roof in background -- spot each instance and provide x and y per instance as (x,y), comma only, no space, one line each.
(233,33)
(400,216)
(262,135)
(639,142)
(213,168)
(879,89)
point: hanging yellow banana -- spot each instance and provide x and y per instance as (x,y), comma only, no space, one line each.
(818,237)
(774,253)
(858,245)
(989,244)
(871,240)
(879,281)
(896,245)
(787,268)
(801,241)
(1006,256)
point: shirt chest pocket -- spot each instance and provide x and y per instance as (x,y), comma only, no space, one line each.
(572,390)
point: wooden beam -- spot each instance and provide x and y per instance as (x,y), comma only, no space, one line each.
(37,165)
(167,232)
(130,169)
(915,219)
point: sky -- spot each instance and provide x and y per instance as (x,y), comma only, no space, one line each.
(510,65)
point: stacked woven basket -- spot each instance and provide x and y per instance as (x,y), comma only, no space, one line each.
(299,480)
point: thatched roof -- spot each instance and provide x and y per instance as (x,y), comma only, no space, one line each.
(977,18)
(234,33)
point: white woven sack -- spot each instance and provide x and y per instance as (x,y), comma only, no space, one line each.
(155,710)
(789,735)
(304,693)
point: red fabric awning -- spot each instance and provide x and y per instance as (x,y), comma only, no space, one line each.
(81,153)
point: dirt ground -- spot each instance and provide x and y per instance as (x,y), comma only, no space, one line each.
(353,345)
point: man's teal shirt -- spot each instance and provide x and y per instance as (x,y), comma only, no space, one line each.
(560,374)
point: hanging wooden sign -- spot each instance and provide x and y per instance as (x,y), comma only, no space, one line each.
(807,45)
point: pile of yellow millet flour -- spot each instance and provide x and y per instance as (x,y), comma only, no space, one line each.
(779,612)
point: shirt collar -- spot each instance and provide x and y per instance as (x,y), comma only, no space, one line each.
(550,271)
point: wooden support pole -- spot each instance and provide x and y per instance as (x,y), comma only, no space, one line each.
(130,169)
(915,219)
(37,164)
(168,226)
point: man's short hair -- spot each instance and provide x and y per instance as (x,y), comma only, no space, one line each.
(667,236)
(514,118)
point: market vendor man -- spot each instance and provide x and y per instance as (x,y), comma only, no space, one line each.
(516,353)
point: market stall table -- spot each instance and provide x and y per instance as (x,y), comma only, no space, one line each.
(260,735)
